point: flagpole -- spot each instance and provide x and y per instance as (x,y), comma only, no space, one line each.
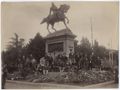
(91,33)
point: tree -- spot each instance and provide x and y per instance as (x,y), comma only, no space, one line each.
(16,42)
(98,50)
(85,46)
(13,53)
(36,47)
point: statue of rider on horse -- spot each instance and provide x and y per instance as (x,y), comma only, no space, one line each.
(56,15)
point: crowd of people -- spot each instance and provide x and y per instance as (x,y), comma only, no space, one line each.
(63,63)
(60,62)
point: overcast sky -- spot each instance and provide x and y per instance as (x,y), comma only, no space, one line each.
(24,19)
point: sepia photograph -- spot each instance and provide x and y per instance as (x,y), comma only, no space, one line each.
(60,45)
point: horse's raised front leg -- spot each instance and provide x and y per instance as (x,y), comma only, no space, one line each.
(48,28)
(67,19)
(65,24)
(53,27)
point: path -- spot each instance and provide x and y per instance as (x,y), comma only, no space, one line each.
(29,85)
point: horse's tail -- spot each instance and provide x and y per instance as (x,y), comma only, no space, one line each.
(44,20)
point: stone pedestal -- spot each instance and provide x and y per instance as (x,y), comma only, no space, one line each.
(59,42)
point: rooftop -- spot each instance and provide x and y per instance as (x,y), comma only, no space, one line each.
(61,33)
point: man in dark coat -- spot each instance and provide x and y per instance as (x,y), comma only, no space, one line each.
(4,76)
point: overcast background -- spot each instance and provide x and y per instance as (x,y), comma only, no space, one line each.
(24,19)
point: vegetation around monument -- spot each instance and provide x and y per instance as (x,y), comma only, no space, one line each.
(19,60)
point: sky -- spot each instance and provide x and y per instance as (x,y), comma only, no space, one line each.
(24,19)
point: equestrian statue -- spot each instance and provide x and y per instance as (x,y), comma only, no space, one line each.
(56,15)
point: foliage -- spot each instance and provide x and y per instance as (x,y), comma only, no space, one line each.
(16,52)
(36,47)
(13,52)
(84,47)
(98,50)
(83,77)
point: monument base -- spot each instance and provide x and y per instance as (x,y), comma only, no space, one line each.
(60,42)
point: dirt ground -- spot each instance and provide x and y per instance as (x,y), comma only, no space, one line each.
(27,85)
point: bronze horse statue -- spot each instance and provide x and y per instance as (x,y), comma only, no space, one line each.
(59,16)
